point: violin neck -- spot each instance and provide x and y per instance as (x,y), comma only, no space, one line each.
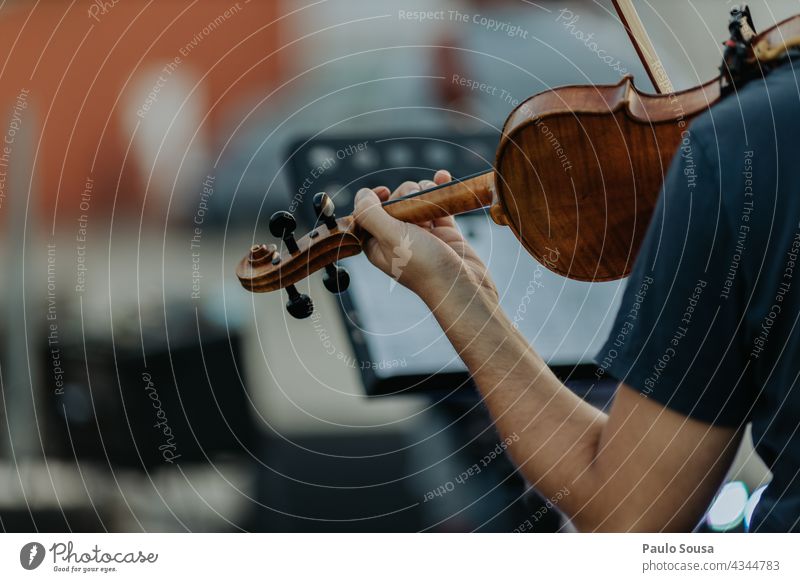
(456,197)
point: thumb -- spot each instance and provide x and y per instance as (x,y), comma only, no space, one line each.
(370,215)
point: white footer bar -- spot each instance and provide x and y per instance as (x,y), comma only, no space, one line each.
(406,557)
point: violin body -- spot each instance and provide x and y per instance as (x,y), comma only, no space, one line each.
(582,166)
(580,169)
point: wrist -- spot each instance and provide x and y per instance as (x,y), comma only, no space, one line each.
(460,294)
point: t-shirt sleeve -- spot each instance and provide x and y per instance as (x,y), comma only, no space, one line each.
(679,335)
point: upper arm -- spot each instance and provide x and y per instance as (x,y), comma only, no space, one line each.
(679,346)
(655,468)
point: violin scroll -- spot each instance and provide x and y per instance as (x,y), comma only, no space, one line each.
(266,268)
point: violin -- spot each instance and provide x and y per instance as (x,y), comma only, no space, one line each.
(576,177)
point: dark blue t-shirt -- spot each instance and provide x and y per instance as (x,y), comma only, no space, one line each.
(709,321)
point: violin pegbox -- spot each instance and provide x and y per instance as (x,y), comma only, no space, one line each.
(282,225)
(336,279)
(265,268)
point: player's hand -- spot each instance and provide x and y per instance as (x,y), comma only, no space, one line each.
(432,259)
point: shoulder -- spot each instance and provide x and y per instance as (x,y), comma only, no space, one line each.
(762,110)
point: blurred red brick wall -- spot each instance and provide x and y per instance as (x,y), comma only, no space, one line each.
(75,62)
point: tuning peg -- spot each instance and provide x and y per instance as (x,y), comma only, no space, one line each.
(325,209)
(299,305)
(336,279)
(282,225)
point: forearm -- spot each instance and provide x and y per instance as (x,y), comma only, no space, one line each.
(558,432)
(630,470)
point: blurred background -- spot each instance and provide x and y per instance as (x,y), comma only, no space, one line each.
(145,146)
